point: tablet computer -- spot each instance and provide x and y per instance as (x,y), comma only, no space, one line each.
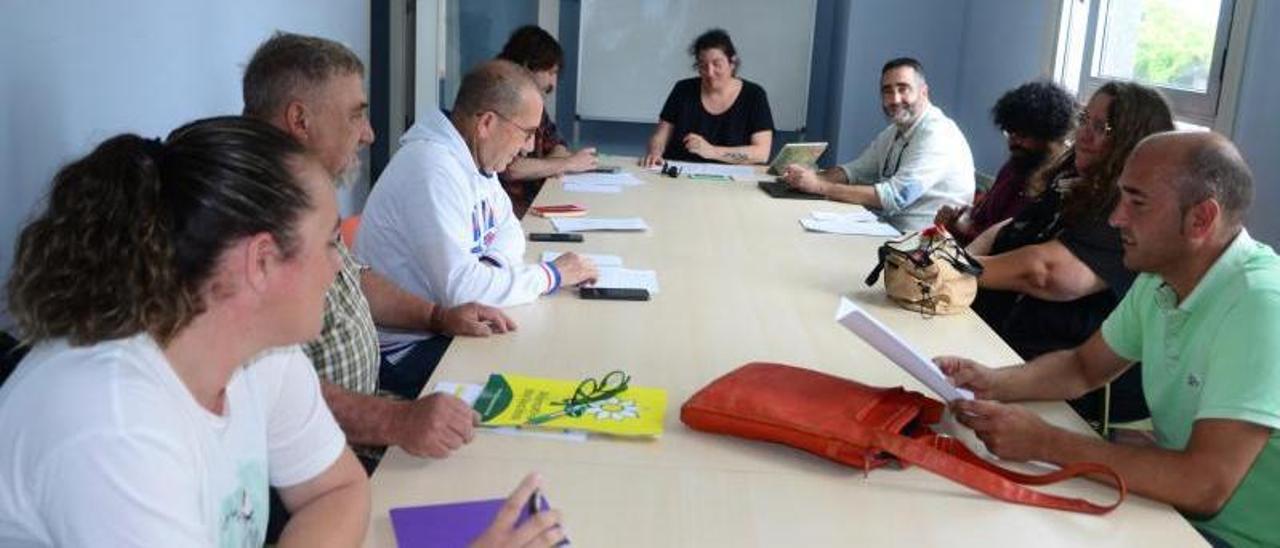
(805,154)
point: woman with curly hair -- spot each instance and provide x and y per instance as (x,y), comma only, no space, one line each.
(1036,119)
(1055,271)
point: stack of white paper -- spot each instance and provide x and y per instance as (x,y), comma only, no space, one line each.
(617,179)
(859,215)
(598,259)
(583,224)
(626,278)
(862,223)
(610,183)
(721,170)
(898,351)
(586,187)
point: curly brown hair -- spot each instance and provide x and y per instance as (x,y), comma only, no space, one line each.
(1136,111)
(132,233)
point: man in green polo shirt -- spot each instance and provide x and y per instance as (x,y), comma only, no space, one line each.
(1203,318)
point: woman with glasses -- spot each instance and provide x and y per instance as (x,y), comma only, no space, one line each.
(715,117)
(1054,272)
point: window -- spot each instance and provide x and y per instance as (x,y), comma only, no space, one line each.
(1178,46)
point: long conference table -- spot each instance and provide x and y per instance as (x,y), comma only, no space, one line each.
(740,281)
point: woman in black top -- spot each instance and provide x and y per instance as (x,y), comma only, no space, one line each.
(716,116)
(1055,271)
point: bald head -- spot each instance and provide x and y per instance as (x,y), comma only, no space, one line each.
(497,85)
(1202,165)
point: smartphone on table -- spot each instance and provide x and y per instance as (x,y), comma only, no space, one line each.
(613,293)
(554,237)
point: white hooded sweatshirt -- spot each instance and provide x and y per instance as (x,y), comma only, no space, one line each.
(440,228)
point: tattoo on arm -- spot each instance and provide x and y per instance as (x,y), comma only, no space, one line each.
(735,156)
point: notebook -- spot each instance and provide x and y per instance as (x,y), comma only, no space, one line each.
(452,525)
(805,154)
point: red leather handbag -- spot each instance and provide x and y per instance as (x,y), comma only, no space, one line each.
(865,427)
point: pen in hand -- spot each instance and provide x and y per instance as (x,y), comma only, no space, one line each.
(534,505)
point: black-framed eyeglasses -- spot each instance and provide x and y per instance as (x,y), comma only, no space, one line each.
(589,391)
(529,132)
(1013,134)
(1095,127)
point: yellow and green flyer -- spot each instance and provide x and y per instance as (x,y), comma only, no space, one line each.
(610,406)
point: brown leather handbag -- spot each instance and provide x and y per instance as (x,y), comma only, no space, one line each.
(928,271)
(865,427)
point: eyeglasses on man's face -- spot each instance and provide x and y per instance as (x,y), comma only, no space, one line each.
(529,132)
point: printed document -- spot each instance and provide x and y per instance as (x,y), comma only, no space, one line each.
(599,259)
(859,223)
(879,336)
(584,224)
(626,278)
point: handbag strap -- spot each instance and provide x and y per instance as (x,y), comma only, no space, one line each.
(883,256)
(949,458)
(964,262)
(883,253)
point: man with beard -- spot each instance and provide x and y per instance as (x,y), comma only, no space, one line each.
(438,222)
(918,164)
(313,89)
(1035,118)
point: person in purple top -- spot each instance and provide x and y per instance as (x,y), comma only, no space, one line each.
(1036,119)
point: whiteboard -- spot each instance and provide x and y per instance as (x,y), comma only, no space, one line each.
(630,53)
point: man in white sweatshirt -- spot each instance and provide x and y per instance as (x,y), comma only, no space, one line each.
(438,223)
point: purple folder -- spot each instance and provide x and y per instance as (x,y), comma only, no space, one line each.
(453,525)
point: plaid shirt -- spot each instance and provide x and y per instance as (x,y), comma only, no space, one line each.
(346,354)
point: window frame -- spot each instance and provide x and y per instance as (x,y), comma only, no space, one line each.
(1072,62)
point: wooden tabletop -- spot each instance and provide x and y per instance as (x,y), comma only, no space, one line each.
(741,281)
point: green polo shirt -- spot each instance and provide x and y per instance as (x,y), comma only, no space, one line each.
(1215,355)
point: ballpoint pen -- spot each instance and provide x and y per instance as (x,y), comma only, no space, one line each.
(535,505)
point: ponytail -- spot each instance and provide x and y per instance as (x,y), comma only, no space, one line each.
(132,232)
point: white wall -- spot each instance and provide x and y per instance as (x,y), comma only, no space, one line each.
(73,73)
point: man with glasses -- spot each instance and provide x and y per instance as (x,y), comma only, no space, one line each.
(438,222)
(918,164)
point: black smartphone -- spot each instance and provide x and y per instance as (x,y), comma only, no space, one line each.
(554,237)
(613,293)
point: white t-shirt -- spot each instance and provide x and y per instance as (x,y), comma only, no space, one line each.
(104,446)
